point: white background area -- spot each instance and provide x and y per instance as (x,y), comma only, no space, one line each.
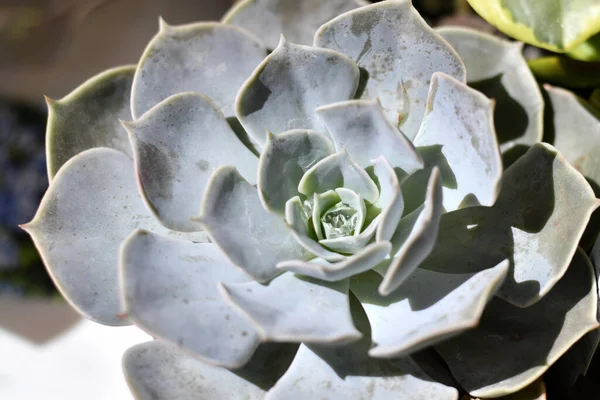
(83,363)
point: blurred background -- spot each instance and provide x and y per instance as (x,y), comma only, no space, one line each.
(49,47)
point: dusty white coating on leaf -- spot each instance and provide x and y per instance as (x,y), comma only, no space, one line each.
(497,67)
(365,259)
(292,309)
(156,370)
(286,88)
(284,160)
(88,117)
(251,237)
(397,52)
(513,346)
(432,307)
(206,57)
(415,240)
(169,288)
(460,120)
(89,209)
(297,20)
(177,145)
(361,127)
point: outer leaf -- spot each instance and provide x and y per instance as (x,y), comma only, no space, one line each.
(283,161)
(90,207)
(311,374)
(554,25)
(252,238)
(397,52)
(361,127)
(513,346)
(497,68)
(177,145)
(297,20)
(335,171)
(289,84)
(209,58)
(346,372)
(290,309)
(460,120)
(362,261)
(537,222)
(575,131)
(428,308)
(169,289)
(88,118)
(156,370)
(415,237)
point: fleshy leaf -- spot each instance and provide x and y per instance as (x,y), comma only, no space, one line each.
(356,202)
(588,51)
(290,309)
(347,372)
(497,68)
(338,170)
(156,370)
(251,237)
(286,88)
(354,243)
(431,306)
(321,203)
(514,346)
(207,57)
(297,20)
(362,261)
(361,127)
(563,71)
(177,145)
(391,201)
(88,117)
(415,237)
(573,365)
(89,209)
(536,223)
(299,226)
(169,289)
(549,24)
(535,391)
(574,131)
(397,53)
(460,120)
(283,161)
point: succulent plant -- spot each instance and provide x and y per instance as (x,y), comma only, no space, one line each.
(329,219)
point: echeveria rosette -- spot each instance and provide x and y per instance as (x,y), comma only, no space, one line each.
(376,221)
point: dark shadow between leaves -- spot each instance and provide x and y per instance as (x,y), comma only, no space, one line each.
(241,133)
(510,156)
(362,82)
(414,187)
(497,350)
(353,360)
(422,289)
(477,238)
(510,118)
(593,227)
(268,364)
